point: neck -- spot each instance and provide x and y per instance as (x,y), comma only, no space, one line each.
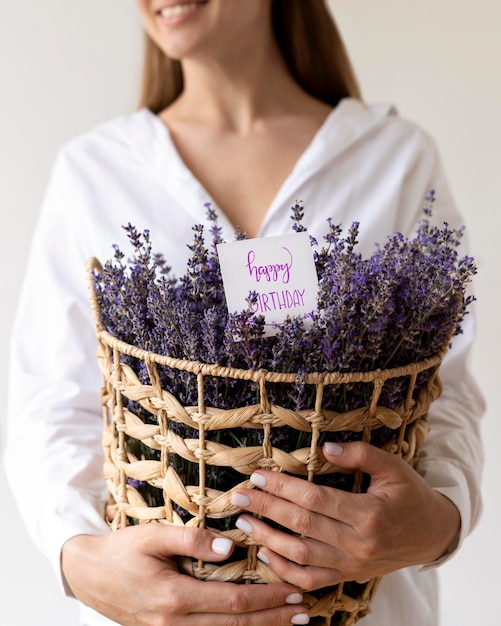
(238,91)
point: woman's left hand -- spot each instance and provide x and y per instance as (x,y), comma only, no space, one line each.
(400,521)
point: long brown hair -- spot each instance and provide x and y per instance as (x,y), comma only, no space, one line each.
(310,43)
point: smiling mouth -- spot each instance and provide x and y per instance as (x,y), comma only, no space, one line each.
(178,10)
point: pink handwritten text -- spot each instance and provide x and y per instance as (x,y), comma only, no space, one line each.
(278,300)
(271,272)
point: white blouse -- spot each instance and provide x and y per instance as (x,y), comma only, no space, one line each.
(365,164)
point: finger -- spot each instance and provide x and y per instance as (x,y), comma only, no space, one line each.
(191,596)
(169,541)
(381,465)
(306,577)
(332,504)
(273,617)
(300,550)
(298,520)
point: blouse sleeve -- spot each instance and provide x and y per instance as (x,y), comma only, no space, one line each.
(451,461)
(53,456)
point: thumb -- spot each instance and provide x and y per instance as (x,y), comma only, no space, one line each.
(194,542)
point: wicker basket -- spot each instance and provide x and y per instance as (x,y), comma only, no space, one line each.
(123,427)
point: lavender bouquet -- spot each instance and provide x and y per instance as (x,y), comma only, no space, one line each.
(198,398)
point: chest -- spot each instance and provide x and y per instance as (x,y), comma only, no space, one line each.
(243,174)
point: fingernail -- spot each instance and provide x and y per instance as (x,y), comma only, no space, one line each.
(301,618)
(244,525)
(222,546)
(262,557)
(258,479)
(240,499)
(294,598)
(335,449)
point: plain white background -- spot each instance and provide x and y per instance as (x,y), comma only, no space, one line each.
(66,66)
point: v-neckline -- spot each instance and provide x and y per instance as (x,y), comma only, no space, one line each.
(183,178)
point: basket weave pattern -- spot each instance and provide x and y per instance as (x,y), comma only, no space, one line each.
(121,384)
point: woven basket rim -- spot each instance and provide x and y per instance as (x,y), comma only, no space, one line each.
(314,378)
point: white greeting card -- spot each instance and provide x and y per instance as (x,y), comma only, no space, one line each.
(281,270)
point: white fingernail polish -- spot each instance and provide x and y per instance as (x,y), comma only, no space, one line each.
(258,479)
(240,499)
(294,598)
(333,448)
(301,618)
(244,525)
(262,557)
(221,545)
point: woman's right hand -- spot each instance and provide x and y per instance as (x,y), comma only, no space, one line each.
(131,577)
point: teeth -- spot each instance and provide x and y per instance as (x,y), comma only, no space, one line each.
(178,9)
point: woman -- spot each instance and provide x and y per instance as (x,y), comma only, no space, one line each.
(249,105)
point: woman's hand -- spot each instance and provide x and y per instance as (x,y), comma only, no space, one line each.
(400,521)
(131,577)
